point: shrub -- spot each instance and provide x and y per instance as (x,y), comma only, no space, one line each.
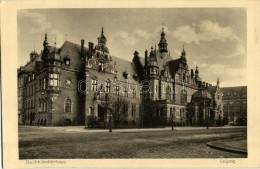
(92,121)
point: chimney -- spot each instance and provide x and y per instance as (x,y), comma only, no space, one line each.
(136,54)
(146,58)
(90,48)
(82,47)
(192,73)
(207,85)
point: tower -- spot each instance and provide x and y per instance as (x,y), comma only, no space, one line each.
(152,74)
(163,42)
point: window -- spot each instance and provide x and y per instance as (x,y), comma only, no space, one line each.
(126,93)
(117,90)
(183,97)
(107,86)
(94,85)
(68,106)
(133,109)
(168,93)
(53,79)
(134,93)
(125,108)
(90,110)
(40,105)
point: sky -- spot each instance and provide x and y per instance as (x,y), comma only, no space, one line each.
(214,38)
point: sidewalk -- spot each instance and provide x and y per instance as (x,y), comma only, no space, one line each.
(151,129)
(132,130)
(237,145)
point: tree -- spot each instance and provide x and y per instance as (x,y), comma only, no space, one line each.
(225,120)
(116,108)
(120,107)
(241,121)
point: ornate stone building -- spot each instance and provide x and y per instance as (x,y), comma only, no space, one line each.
(235,104)
(70,85)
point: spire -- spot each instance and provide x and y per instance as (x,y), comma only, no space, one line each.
(183,53)
(34,45)
(218,82)
(45,42)
(197,70)
(102,31)
(163,42)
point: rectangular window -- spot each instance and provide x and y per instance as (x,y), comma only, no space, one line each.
(44,83)
(126,93)
(134,93)
(107,86)
(94,85)
(53,79)
(133,109)
(117,90)
(90,110)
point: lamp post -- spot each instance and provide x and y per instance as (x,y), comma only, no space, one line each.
(219,122)
(110,115)
(172,121)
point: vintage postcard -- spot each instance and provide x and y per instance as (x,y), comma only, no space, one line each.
(140,84)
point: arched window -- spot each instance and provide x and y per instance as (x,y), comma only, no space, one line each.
(90,109)
(168,93)
(68,106)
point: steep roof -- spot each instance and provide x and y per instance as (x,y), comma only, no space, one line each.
(237,89)
(212,89)
(125,66)
(174,65)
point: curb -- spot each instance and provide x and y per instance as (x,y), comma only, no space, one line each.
(211,144)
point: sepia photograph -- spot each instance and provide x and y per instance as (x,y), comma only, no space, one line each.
(132,83)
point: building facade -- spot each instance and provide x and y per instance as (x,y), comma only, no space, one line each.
(235,104)
(78,85)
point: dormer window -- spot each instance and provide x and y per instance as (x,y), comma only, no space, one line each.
(125,74)
(67,61)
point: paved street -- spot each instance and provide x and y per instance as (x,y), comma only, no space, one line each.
(76,142)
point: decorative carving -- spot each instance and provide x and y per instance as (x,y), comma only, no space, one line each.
(68,82)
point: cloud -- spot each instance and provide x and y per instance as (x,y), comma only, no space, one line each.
(38,21)
(210,72)
(124,38)
(143,34)
(206,31)
(40,25)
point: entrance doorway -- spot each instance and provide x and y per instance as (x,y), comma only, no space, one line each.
(101,116)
